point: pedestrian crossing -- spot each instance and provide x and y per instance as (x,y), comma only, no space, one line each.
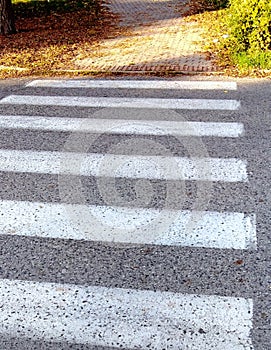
(125,102)
(136,84)
(122,126)
(124,318)
(130,225)
(137,167)
(121,317)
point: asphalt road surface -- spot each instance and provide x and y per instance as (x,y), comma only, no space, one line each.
(135,214)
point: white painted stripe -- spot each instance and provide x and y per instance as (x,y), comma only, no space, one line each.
(123,102)
(129,225)
(122,126)
(124,318)
(127,166)
(136,84)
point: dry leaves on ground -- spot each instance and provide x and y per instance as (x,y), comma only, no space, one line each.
(50,43)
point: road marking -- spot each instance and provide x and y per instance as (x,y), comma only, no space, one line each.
(122,126)
(124,318)
(124,166)
(129,225)
(123,102)
(136,84)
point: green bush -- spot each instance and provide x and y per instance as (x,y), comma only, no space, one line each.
(249,25)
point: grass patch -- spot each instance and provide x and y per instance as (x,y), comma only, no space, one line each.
(245,60)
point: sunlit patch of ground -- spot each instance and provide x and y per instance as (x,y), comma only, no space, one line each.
(155,36)
(169,42)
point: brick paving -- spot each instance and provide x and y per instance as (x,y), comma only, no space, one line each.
(153,37)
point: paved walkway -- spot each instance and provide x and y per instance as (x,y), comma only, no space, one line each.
(153,38)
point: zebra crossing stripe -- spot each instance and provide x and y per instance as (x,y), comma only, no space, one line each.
(136,84)
(124,318)
(129,225)
(123,102)
(124,166)
(122,126)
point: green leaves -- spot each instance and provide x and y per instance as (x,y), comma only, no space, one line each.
(249,23)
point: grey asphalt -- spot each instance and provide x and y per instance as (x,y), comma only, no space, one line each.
(178,269)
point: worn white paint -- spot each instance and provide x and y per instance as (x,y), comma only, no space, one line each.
(136,84)
(124,318)
(122,126)
(129,225)
(122,102)
(127,166)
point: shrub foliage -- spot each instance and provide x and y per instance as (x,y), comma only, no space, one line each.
(249,25)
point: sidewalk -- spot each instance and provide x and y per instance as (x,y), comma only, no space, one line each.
(153,38)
